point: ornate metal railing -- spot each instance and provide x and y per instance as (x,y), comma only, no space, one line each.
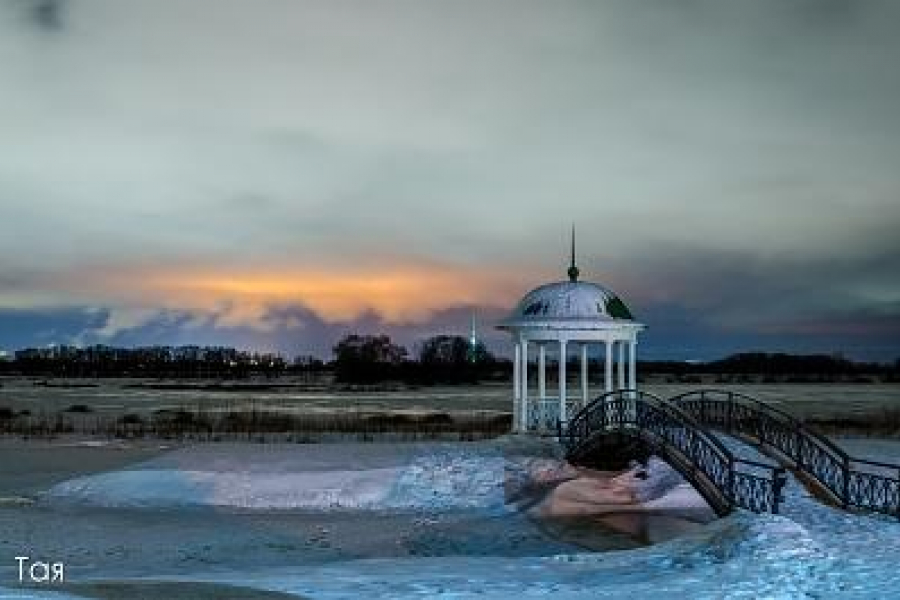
(851,482)
(543,416)
(723,479)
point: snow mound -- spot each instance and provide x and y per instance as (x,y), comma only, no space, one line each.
(451,480)
(440,480)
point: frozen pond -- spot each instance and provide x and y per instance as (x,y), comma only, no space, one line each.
(449,520)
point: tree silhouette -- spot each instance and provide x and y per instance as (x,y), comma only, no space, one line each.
(367,358)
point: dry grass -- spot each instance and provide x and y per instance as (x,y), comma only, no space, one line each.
(882,423)
(258,425)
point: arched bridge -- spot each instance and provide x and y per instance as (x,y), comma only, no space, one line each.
(845,481)
(680,430)
(723,479)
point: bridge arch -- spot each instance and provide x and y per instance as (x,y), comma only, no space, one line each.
(724,480)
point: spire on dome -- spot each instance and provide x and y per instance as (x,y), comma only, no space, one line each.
(573,270)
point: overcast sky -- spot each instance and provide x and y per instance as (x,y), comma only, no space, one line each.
(275,173)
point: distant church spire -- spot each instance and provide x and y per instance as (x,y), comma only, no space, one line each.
(573,270)
(473,341)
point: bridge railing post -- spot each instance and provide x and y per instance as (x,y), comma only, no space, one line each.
(732,497)
(778,488)
(845,492)
(897,497)
(729,415)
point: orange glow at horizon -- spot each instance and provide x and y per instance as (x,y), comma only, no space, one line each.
(398,295)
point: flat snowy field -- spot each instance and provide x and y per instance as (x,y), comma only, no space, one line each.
(110,397)
(501,519)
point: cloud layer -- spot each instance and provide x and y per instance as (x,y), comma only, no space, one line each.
(730,165)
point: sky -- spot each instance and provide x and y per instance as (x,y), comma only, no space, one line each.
(274,174)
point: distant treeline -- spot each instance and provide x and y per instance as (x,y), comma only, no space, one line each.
(368,359)
(441,359)
(156,361)
(358,359)
(775,365)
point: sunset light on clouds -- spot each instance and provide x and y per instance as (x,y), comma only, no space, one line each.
(402,295)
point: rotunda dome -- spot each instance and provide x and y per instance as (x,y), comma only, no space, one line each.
(578,301)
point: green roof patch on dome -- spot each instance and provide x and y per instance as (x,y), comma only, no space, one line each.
(617,309)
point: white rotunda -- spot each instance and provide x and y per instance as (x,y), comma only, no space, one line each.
(557,317)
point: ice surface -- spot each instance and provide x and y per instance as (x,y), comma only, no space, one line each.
(743,556)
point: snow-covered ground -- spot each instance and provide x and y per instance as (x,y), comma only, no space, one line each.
(809,551)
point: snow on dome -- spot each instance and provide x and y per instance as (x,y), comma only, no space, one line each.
(569,300)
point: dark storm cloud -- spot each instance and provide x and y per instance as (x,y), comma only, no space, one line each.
(699,304)
(38,327)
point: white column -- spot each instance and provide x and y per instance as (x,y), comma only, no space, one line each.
(621,363)
(632,364)
(607,373)
(562,380)
(584,374)
(524,385)
(517,394)
(542,373)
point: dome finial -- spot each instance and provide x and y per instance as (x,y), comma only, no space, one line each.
(573,270)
